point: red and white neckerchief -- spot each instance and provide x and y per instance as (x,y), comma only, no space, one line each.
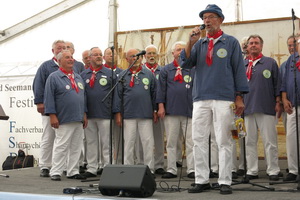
(152,68)
(298,64)
(107,66)
(70,75)
(178,74)
(55,61)
(133,74)
(93,77)
(210,48)
(250,65)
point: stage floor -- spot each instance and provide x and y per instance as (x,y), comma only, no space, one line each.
(26,184)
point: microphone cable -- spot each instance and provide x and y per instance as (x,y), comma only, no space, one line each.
(188,87)
(177,188)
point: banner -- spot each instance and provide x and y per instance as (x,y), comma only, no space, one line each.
(23,129)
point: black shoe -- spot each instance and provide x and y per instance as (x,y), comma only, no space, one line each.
(160,171)
(44,173)
(213,175)
(178,164)
(81,170)
(77,176)
(198,188)
(240,172)
(89,174)
(234,175)
(251,177)
(65,172)
(280,174)
(169,175)
(99,171)
(225,189)
(290,177)
(191,175)
(56,178)
(273,177)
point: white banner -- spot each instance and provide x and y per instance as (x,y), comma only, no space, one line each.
(23,129)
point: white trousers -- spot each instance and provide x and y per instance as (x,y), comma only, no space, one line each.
(98,143)
(143,127)
(158,131)
(67,148)
(47,142)
(218,113)
(175,125)
(291,141)
(266,124)
(236,164)
(82,159)
(214,152)
(179,148)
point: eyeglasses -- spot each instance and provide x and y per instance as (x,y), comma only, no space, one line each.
(210,17)
(151,53)
(96,55)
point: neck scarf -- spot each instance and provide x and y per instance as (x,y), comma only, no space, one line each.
(250,65)
(298,64)
(178,74)
(152,68)
(93,77)
(210,48)
(133,74)
(55,61)
(107,66)
(70,75)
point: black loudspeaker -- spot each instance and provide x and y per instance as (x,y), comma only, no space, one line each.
(127,180)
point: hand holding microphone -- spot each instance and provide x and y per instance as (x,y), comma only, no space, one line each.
(196,33)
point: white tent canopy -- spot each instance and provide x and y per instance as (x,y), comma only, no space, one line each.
(88,25)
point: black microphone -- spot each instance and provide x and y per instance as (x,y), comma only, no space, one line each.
(112,48)
(293,14)
(141,53)
(201,28)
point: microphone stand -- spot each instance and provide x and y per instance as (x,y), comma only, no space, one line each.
(244,179)
(111,107)
(121,80)
(296,113)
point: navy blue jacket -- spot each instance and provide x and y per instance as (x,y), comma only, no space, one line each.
(176,96)
(95,95)
(139,101)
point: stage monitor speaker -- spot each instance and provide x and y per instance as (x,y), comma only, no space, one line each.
(127,180)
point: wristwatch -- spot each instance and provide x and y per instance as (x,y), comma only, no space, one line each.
(239,94)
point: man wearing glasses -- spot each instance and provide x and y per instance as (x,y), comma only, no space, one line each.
(220,81)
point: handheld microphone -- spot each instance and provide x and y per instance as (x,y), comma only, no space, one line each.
(112,48)
(141,53)
(201,28)
(293,14)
